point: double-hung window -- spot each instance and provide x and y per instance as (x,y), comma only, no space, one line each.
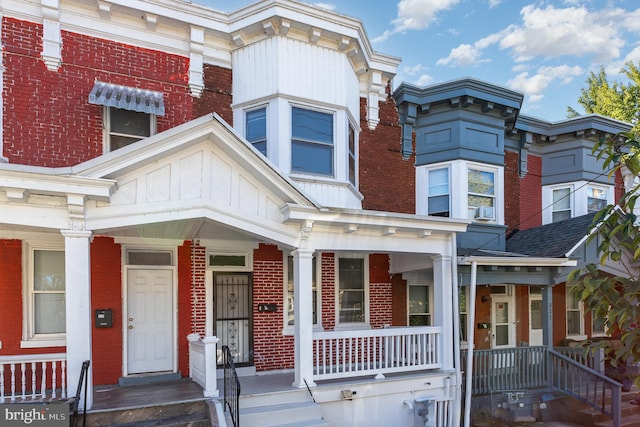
(312,142)
(256,128)
(419,305)
(574,314)
(481,193)
(291,295)
(45,286)
(352,291)
(438,197)
(561,208)
(352,155)
(596,198)
(462,304)
(125,127)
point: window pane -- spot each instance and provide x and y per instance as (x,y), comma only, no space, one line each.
(351,290)
(118,141)
(49,311)
(481,182)
(312,144)
(419,320)
(418,299)
(149,258)
(130,122)
(502,335)
(438,182)
(598,326)
(561,216)
(291,295)
(536,314)
(256,129)
(573,323)
(227,260)
(48,271)
(439,206)
(480,201)
(310,125)
(561,199)
(596,199)
(352,155)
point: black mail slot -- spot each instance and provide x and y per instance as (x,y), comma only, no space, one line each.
(268,307)
(104,318)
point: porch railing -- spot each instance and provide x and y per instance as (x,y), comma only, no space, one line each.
(582,383)
(529,368)
(377,351)
(33,377)
(231,387)
(591,358)
(202,363)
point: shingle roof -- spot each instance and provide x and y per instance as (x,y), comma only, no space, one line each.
(551,240)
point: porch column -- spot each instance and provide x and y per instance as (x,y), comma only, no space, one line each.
(78,308)
(442,310)
(303,317)
(547,316)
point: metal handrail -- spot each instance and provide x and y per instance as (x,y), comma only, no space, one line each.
(231,386)
(586,385)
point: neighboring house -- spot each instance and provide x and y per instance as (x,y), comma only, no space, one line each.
(168,170)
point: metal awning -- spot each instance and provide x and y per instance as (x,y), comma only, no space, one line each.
(127,98)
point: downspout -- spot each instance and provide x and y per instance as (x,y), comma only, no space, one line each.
(456,328)
(470,332)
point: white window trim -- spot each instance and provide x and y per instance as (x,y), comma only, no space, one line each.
(356,153)
(458,178)
(430,297)
(248,260)
(106,128)
(289,329)
(579,191)
(367,313)
(29,338)
(338,142)
(581,335)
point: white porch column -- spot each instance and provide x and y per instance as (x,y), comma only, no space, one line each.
(78,308)
(303,317)
(443,311)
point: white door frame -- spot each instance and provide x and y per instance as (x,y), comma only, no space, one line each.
(535,337)
(509,299)
(174,307)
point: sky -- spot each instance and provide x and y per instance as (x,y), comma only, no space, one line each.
(544,49)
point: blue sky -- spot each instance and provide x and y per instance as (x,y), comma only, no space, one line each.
(544,49)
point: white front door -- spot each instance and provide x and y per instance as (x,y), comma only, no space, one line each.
(535,315)
(149,321)
(503,328)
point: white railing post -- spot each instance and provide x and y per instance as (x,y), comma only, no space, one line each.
(210,356)
(193,369)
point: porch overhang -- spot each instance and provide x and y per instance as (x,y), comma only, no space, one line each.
(517,261)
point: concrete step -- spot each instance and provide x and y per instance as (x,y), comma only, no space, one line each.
(274,398)
(291,414)
(173,414)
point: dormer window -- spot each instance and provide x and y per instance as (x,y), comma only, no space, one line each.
(311,142)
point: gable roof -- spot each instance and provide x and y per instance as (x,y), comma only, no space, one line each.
(557,239)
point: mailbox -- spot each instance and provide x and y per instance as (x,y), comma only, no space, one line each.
(269,308)
(104,318)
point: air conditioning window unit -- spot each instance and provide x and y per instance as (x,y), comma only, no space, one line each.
(485,213)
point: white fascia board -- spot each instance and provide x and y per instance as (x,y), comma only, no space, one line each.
(406,222)
(523,261)
(52,183)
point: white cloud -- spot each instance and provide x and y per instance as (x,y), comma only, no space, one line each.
(327,6)
(424,80)
(614,69)
(534,86)
(494,3)
(463,55)
(415,15)
(572,31)
(412,71)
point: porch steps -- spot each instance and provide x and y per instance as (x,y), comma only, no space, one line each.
(293,408)
(194,413)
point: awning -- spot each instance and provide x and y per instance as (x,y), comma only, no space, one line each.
(127,98)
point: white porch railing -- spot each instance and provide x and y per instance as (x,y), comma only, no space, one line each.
(33,377)
(375,352)
(202,363)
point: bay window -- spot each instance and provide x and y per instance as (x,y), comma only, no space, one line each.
(256,128)
(438,193)
(312,142)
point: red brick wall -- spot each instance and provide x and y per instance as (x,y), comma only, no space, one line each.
(522,314)
(328,268)
(512,184)
(482,337)
(531,194)
(386,180)
(380,291)
(48,120)
(106,292)
(216,96)
(559,314)
(184,306)
(272,349)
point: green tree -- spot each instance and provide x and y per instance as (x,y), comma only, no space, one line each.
(616,298)
(615,99)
